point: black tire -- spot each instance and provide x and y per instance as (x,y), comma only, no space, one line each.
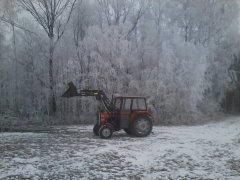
(96,129)
(142,126)
(128,131)
(105,132)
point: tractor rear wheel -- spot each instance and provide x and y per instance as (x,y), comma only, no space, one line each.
(105,132)
(142,126)
(96,129)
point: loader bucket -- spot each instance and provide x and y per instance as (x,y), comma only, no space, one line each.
(71,91)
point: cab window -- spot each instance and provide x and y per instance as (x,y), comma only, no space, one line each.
(126,104)
(139,104)
(118,103)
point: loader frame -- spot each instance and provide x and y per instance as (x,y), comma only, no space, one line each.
(99,94)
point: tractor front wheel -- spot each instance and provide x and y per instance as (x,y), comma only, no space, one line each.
(96,129)
(142,126)
(105,132)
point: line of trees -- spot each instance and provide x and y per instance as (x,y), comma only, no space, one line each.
(182,54)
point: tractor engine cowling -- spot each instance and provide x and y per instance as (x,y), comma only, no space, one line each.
(103,117)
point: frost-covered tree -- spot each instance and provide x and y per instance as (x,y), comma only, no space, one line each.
(181,54)
(53,16)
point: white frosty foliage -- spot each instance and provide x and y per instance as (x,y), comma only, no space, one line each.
(182,55)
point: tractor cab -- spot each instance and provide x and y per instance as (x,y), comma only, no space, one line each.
(126,106)
(130,103)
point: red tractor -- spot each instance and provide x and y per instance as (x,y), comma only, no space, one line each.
(123,112)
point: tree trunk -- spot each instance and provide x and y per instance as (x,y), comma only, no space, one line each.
(52,98)
(15,95)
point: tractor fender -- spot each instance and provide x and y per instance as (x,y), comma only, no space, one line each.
(109,125)
(136,115)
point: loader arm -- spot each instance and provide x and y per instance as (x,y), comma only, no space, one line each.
(99,94)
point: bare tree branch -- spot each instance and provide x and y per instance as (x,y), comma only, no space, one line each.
(139,15)
(68,18)
(3,19)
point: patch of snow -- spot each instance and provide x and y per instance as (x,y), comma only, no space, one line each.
(178,152)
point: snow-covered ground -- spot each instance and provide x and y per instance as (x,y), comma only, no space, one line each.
(210,151)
